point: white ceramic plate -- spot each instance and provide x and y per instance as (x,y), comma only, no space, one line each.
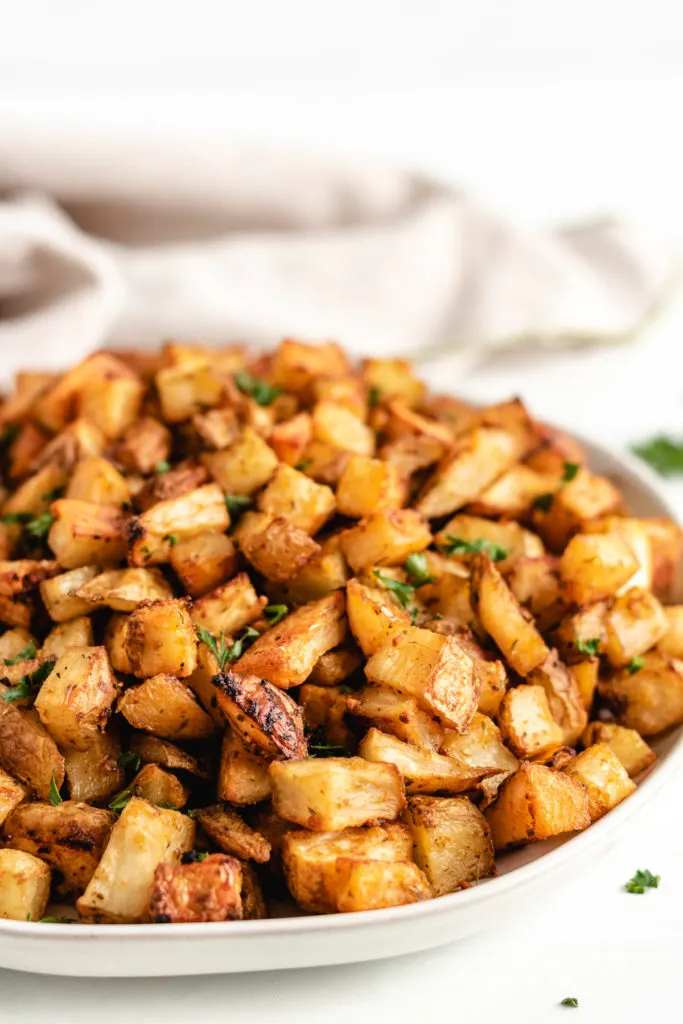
(170,950)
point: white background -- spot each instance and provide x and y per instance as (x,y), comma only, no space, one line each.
(550,111)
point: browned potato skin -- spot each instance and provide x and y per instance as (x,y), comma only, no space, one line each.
(159,787)
(209,890)
(165,706)
(27,751)
(75,701)
(160,638)
(536,803)
(243,777)
(451,840)
(228,831)
(649,700)
(24,886)
(267,720)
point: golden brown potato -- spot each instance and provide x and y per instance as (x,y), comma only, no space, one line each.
(481,747)
(514,493)
(228,608)
(267,720)
(152,750)
(595,565)
(324,572)
(337,426)
(335,666)
(369,485)
(649,699)
(630,748)
(423,770)
(59,593)
(276,549)
(27,751)
(244,466)
(153,534)
(94,774)
(253,902)
(389,378)
(672,640)
(243,776)
(70,838)
(371,884)
(194,891)
(535,582)
(511,537)
(289,439)
(160,638)
(75,701)
(451,841)
(204,562)
(165,706)
(373,617)
(334,793)
(232,835)
(123,590)
(24,886)
(565,699)
(159,787)
(585,674)
(95,480)
(603,775)
(76,632)
(144,445)
(324,708)
(666,542)
(84,533)
(291,494)
(385,538)
(491,672)
(536,803)
(186,389)
(579,501)
(12,793)
(295,364)
(398,714)
(635,622)
(527,724)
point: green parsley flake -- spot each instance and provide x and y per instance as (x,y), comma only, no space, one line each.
(120,801)
(458,546)
(588,647)
(663,454)
(130,761)
(28,652)
(543,502)
(40,526)
(259,390)
(641,881)
(54,797)
(570,1001)
(220,650)
(635,665)
(570,471)
(403,592)
(275,613)
(416,566)
(162,466)
(303,465)
(30,683)
(171,538)
(236,504)
(374,397)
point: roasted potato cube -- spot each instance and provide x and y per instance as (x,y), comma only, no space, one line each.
(59,593)
(389,378)
(555,450)
(153,534)
(565,699)
(672,640)
(666,541)
(334,793)
(291,494)
(636,536)
(76,632)
(186,389)
(13,643)
(586,674)
(207,890)
(267,719)
(59,405)
(94,774)
(385,538)
(143,445)
(23,452)
(243,776)
(451,841)
(70,838)
(325,571)
(77,441)
(171,484)
(166,707)
(397,714)
(504,619)
(18,581)
(287,654)
(204,562)
(335,666)
(324,707)
(371,884)
(535,582)
(12,793)
(275,548)
(536,803)
(160,638)
(481,747)
(603,775)
(95,481)
(245,466)
(115,642)
(584,498)
(84,534)
(229,832)
(595,565)
(296,365)
(369,485)
(373,617)
(159,787)
(635,623)
(123,590)
(423,770)
(36,494)
(228,608)
(650,699)
(289,439)
(630,748)
(24,886)
(112,404)
(399,420)
(511,536)
(152,750)
(337,426)
(435,669)
(526,722)
(514,493)
(142,838)
(491,672)
(576,630)
(27,751)
(75,701)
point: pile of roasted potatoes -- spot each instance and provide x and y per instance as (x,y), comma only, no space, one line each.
(284,628)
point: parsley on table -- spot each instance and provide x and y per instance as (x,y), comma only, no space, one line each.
(162,466)
(30,683)
(275,613)
(236,504)
(635,665)
(403,592)
(259,390)
(641,881)
(220,650)
(570,471)
(28,652)
(570,1001)
(54,797)
(120,801)
(588,647)
(663,454)
(171,538)
(458,546)
(130,761)
(416,566)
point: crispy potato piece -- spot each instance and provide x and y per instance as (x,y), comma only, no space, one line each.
(536,803)
(389,378)
(491,672)
(323,462)
(635,535)
(77,441)
(266,719)
(481,747)
(511,536)
(228,608)
(335,666)
(70,838)
(152,535)
(555,450)
(243,776)
(459,416)
(296,365)
(672,640)
(287,653)
(635,623)
(585,674)
(24,886)
(373,617)
(186,389)
(84,533)
(564,697)
(229,832)
(59,593)
(334,793)
(289,439)
(204,562)
(160,638)
(35,494)
(409,453)
(152,750)
(527,724)
(397,714)
(448,598)
(274,547)
(244,466)
(60,403)
(29,443)
(337,426)
(166,707)
(371,885)
(535,582)
(168,486)
(291,494)
(14,642)
(325,571)
(27,751)
(115,643)
(369,485)
(200,682)
(143,445)
(513,494)
(96,481)
(253,903)
(573,506)
(123,590)
(12,793)
(399,420)
(504,619)
(595,566)
(346,390)
(142,838)
(603,775)
(325,707)
(159,787)
(630,748)
(21,576)
(451,841)
(589,623)
(650,699)
(208,890)
(76,632)
(385,538)
(437,670)
(112,404)
(423,771)
(95,773)
(75,701)
(666,543)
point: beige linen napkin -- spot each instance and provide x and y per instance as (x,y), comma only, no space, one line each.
(129,240)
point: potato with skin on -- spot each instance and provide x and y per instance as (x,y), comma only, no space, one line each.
(166,707)
(289,438)
(150,534)
(536,803)
(527,724)
(94,774)
(12,793)
(152,750)
(167,486)
(369,485)
(24,886)
(371,884)
(204,562)
(423,771)
(337,426)
(305,503)
(197,891)
(287,653)
(672,640)
(564,696)
(398,714)
(243,777)
(254,906)
(296,365)
(513,494)
(603,775)
(635,623)
(491,672)
(373,616)
(594,566)
(59,593)
(76,632)
(27,751)
(231,833)
(666,543)
(187,389)
(159,787)
(481,747)
(535,582)
(648,700)
(85,534)
(160,638)
(403,421)
(75,701)
(628,745)
(336,665)
(437,670)
(80,439)
(451,841)
(229,608)
(510,536)
(334,793)
(504,619)
(267,720)
(244,466)
(143,445)
(95,480)
(585,498)
(142,838)
(275,548)
(386,537)
(123,590)
(70,837)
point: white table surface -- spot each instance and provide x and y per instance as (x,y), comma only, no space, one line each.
(578,144)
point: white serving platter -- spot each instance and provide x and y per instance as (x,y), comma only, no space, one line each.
(309,941)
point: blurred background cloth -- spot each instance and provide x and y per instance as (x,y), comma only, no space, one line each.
(133,240)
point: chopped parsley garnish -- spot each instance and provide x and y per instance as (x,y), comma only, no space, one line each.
(162,466)
(16,517)
(570,1001)
(458,546)
(54,797)
(570,471)
(320,746)
(52,496)
(171,538)
(588,647)
(120,801)
(303,465)
(237,648)
(220,650)
(275,613)
(130,761)
(663,454)
(403,592)
(28,652)
(259,390)
(414,612)
(635,665)
(202,856)
(236,504)
(37,526)
(30,683)
(641,881)
(374,397)
(416,566)
(543,502)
